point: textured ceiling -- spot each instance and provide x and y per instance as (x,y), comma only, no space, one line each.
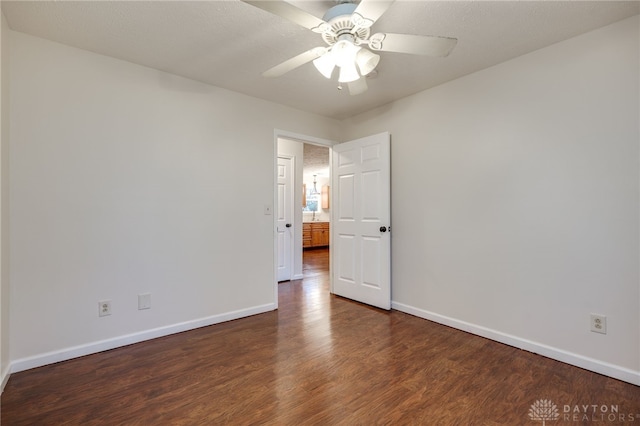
(230,43)
(316,160)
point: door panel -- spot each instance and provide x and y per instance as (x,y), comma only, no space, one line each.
(347,197)
(285,216)
(346,268)
(361,251)
(371,199)
(371,250)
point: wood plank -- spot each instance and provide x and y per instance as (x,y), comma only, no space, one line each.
(314,361)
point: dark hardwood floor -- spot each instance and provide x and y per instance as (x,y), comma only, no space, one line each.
(319,359)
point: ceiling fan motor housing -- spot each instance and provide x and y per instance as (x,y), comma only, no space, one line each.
(339,19)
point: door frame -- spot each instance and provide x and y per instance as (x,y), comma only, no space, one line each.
(285,134)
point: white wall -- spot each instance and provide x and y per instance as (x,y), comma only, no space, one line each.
(4,201)
(515,200)
(295,149)
(126,180)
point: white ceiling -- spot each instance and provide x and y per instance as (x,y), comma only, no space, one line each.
(230,43)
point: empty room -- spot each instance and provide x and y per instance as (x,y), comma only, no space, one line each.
(320,212)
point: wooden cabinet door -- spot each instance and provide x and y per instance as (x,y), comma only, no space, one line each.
(306,235)
(319,234)
(315,235)
(323,238)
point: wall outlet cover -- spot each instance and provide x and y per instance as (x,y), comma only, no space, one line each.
(104,308)
(599,323)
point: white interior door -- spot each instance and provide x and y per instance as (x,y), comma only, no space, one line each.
(284,216)
(361,240)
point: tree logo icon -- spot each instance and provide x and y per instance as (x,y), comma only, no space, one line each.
(543,410)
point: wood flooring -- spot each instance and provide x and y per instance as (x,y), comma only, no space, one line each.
(318,360)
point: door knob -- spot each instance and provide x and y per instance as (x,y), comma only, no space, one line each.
(288,225)
(383,229)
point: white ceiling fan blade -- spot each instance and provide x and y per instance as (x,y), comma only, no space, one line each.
(290,12)
(295,62)
(358,86)
(413,44)
(371,11)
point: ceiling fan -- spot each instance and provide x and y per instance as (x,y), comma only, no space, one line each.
(345,28)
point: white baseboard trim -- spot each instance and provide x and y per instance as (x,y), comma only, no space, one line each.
(116,342)
(590,364)
(298,277)
(4,376)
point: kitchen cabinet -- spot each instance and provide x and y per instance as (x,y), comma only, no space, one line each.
(325,197)
(306,235)
(315,234)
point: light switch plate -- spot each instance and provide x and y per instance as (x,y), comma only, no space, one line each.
(144,301)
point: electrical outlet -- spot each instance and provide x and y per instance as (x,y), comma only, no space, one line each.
(144,301)
(104,308)
(598,323)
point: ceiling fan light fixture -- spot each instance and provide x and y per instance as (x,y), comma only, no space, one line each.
(348,73)
(344,52)
(345,28)
(367,61)
(325,65)
(360,21)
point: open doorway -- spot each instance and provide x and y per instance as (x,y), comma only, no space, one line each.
(360,218)
(316,210)
(303,213)
(360,244)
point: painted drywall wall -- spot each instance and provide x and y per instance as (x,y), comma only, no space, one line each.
(295,149)
(123,185)
(515,199)
(127,180)
(4,201)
